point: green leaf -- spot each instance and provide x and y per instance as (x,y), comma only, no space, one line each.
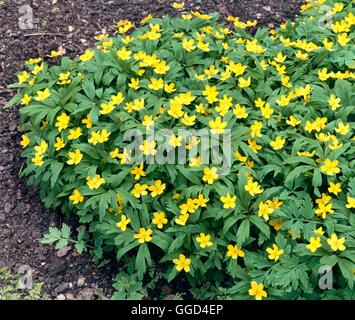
(261,225)
(56,168)
(243,232)
(189,175)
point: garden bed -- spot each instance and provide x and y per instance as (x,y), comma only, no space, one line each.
(71,25)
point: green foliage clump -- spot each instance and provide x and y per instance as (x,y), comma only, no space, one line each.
(261,229)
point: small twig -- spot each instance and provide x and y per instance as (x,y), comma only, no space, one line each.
(42,34)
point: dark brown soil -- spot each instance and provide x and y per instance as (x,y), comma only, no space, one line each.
(72,24)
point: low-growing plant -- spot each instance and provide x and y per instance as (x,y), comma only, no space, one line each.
(11,290)
(215,154)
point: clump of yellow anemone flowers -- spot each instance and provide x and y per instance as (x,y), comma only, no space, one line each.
(261,224)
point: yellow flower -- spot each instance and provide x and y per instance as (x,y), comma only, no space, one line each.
(100,136)
(169,88)
(138,104)
(265,210)
(186,16)
(334,102)
(62,121)
(319,231)
(161,67)
(101,37)
(124,156)
(217,126)
(257,290)
(342,129)
(95,182)
(280,58)
(107,108)
(334,188)
(195,162)
(210,175)
(266,111)
(182,219)
(204,240)
(253,187)
(87,121)
(190,206)
(293,121)
(234,252)
(124,25)
(278,143)
(323,208)
(59,144)
(34,61)
(182,263)
(188,45)
(328,44)
(43,95)
(256,129)
(103,136)
(74,133)
(211,94)
(285,81)
(178,5)
(23,77)
(201,201)
(301,56)
(350,202)
(240,112)
(38,160)
(122,224)
(159,219)
(139,190)
(336,243)
(26,99)
(274,252)
(283,101)
(124,54)
(244,83)
(138,171)
(314,244)
(37,69)
(63,78)
(330,167)
(76,197)
(254,146)
(144,235)
(25,141)
(134,83)
(147,19)
(74,157)
(277,224)
(148,121)
(228,201)
(117,99)
(114,154)
(55,54)
(148,148)
(42,148)
(343,39)
(157,188)
(88,55)
(254,47)
(188,120)
(156,84)
(240,157)
(175,141)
